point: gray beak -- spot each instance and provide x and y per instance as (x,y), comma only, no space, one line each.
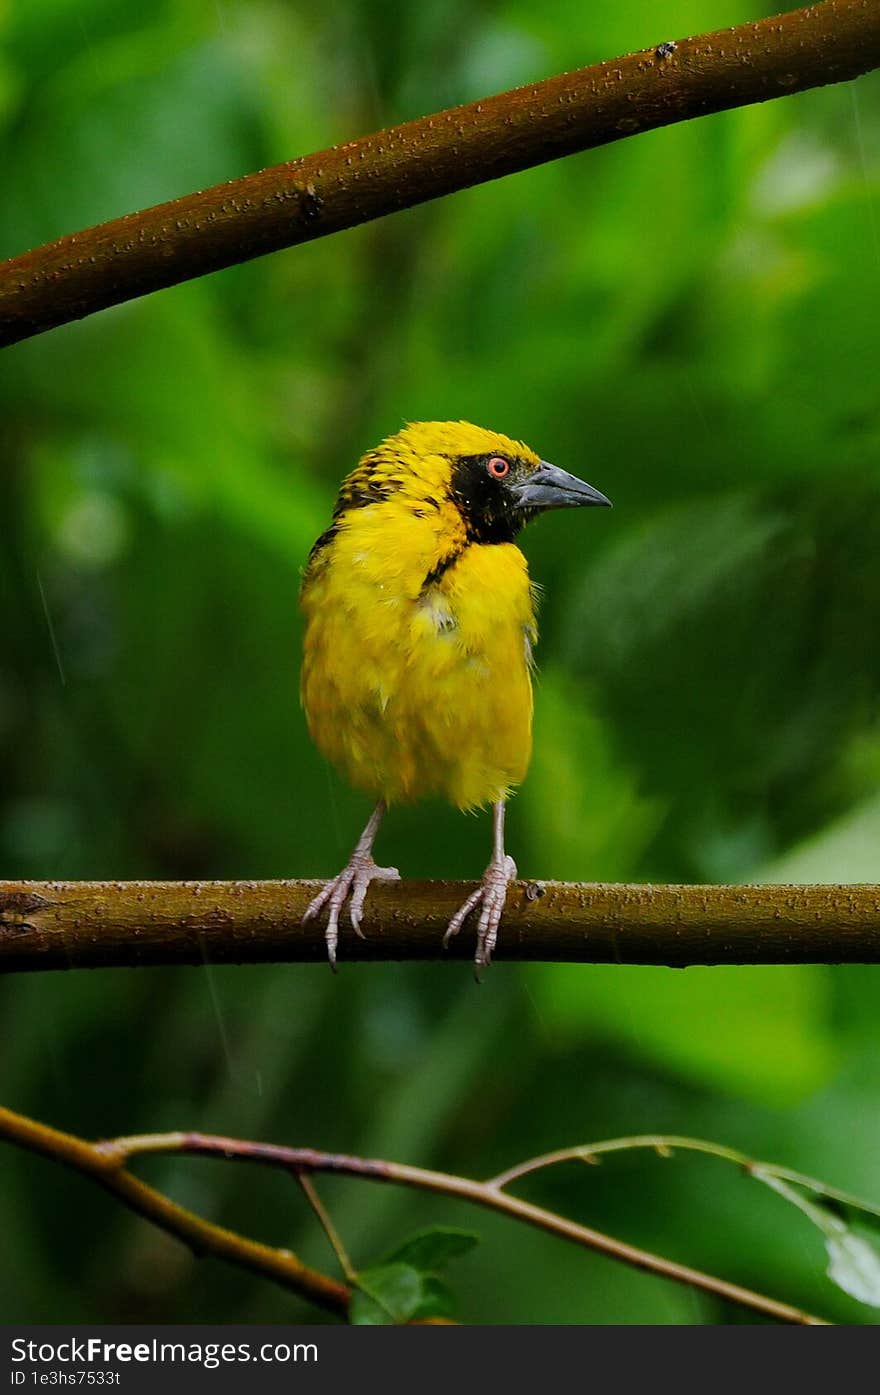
(548,487)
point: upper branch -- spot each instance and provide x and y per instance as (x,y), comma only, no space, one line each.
(436,155)
(69,925)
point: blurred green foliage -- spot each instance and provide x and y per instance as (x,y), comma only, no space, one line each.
(690,320)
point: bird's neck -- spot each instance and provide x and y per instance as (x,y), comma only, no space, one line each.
(404,544)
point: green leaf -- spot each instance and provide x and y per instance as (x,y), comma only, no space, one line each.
(853,1262)
(388,1294)
(364,1311)
(405,1285)
(437,1299)
(431,1250)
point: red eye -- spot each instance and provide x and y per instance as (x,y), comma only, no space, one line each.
(498,467)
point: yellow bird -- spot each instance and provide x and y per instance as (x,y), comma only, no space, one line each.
(419,626)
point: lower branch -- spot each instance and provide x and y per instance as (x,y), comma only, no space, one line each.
(202,1237)
(88,925)
(106,1163)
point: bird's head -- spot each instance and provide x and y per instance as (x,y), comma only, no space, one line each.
(496,484)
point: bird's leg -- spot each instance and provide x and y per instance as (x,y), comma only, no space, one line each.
(492,894)
(353,880)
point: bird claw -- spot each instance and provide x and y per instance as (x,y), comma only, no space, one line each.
(353,881)
(492,893)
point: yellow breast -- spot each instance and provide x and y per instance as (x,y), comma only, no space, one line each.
(415,674)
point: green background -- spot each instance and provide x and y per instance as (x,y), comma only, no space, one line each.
(688,319)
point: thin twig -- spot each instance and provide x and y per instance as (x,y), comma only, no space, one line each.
(664,1144)
(326,1223)
(667,1145)
(436,155)
(73,925)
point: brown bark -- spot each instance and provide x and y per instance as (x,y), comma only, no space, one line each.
(69,925)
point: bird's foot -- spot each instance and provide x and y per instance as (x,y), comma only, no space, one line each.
(491,896)
(352,881)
